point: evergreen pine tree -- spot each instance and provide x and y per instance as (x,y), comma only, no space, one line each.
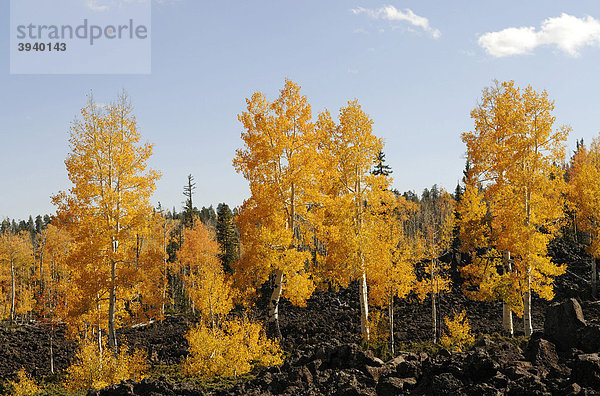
(381,168)
(226,236)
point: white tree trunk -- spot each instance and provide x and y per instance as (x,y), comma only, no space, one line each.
(12,291)
(274,303)
(594,278)
(507,321)
(391,319)
(364,306)
(527,326)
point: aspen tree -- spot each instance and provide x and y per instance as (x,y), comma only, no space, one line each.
(15,259)
(350,197)
(205,279)
(437,222)
(106,207)
(277,161)
(394,253)
(583,192)
(514,151)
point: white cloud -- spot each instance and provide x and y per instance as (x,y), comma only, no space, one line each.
(391,13)
(94,6)
(568,33)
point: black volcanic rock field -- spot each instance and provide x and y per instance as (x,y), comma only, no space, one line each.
(324,355)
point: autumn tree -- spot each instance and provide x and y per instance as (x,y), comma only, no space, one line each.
(16,260)
(394,252)
(51,302)
(106,207)
(351,199)
(436,223)
(210,291)
(583,192)
(515,152)
(277,161)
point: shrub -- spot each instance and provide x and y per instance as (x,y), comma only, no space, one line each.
(232,349)
(25,385)
(95,369)
(459,334)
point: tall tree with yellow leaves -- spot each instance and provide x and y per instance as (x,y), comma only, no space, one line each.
(514,152)
(16,258)
(277,161)
(436,219)
(107,205)
(583,192)
(205,280)
(53,275)
(351,199)
(394,250)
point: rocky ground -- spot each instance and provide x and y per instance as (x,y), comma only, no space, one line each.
(562,359)
(323,354)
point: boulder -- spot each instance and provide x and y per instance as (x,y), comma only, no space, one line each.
(589,338)
(395,386)
(445,384)
(541,352)
(480,366)
(563,321)
(586,370)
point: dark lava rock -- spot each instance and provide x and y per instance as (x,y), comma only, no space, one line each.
(481,367)
(150,387)
(589,338)
(541,352)
(395,386)
(528,386)
(563,321)
(445,384)
(586,370)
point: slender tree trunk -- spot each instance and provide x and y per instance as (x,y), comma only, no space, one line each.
(433,298)
(391,319)
(42,262)
(13,292)
(51,349)
(527,325)
(364,305)
(507,321)
(434,316)
(112,300)
(100,346)
(594,279)
(165,280)
(274,305)
(362,287)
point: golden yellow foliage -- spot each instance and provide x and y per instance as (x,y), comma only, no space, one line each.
(278,161)
(96,368)
(16,282)
(472,210)
(515,153)
(203,274)
(584,190)
(105,212)
(459,334)
(352,201)
(230,350)
(24,385)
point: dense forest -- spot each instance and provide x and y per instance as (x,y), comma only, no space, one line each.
(323,217)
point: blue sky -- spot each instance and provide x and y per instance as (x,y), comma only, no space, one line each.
(416,67)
